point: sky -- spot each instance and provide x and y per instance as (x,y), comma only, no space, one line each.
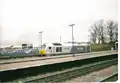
(22,20)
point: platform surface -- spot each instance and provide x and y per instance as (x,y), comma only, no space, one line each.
(53,60)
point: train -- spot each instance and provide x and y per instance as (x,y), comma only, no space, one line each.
(48,49)
(59,49)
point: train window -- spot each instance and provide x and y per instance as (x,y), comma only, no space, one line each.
(58,49)
(79,48)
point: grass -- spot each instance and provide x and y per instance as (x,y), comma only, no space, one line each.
(101,47)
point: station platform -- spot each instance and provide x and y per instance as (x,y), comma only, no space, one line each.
(53,60)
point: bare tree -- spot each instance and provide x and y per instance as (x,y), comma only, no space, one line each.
(116,32)
(100,31)
(112,29)
(93,32)
(93,38)
(103,31)
(97,32)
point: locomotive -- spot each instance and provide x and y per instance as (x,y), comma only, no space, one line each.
(59,49)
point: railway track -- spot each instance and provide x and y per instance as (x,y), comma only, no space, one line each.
(14,57)
(29,56)
(14,60)
(63,76)
(72,69)
(35,59)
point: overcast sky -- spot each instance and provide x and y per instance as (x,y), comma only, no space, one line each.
(21,20)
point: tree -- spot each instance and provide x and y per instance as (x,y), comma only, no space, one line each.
(112,29)
(100,31)
(93,32)
(97,32)
(93,37)
(116,32)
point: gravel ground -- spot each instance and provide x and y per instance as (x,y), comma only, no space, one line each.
(49,74)
(96,76)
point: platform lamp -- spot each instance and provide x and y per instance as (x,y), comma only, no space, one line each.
(41,37)
(71,25)
(89,39)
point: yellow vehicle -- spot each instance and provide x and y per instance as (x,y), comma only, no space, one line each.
(42,52)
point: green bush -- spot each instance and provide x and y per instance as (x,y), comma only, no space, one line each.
(101,47)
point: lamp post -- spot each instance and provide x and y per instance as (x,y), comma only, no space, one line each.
(71,25)
(89,43)
(41,37)
(60,39)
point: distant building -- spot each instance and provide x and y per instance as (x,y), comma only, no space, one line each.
(82,43)
(27,46)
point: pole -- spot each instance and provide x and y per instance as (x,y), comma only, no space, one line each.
(89,43)
(60,39)
(41,40)
(72,40)
(41,37)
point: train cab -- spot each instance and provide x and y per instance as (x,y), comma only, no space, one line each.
(53,48)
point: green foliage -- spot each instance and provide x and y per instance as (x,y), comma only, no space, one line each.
(101,47)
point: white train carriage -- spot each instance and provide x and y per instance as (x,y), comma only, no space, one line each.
(57,48)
